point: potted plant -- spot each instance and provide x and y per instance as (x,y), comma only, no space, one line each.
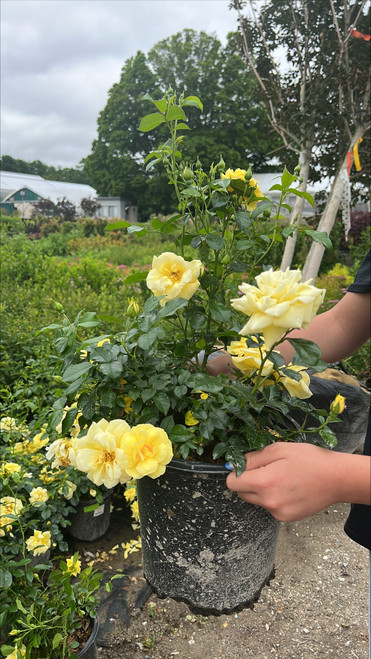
(152,410)
(48,608)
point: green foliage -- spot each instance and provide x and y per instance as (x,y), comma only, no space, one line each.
(44,604)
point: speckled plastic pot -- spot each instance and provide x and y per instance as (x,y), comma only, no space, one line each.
(201,543)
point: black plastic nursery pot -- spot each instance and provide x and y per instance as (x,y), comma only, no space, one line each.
(93,524)
(89,651)
(201,543)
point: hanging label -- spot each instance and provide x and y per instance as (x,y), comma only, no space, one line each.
(98,511)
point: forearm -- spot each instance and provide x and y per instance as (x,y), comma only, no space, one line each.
(351,478)
(337,332)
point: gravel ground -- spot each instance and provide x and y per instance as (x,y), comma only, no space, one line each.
(315,606)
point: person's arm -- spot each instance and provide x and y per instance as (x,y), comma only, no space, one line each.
(339,331)
(294,481)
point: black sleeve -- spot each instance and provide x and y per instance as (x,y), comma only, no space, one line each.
(362,282)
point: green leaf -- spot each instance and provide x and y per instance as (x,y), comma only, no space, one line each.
(171,308)
(287,178)
(74,386)
(328,436)
(136,277)
(162,402)
(111,369)
(215,241)
(146,341)
(87,404)
(57,639)
(175,113)
(76,371)
(207,383)
(182,126)
(303,194)
(151,121)
(134,228)
(180,434)
(196,316)
(243,221)
(191,192)
(307,353)
(6,579)
(193,100)
(68,420)
(147,394)
(319,237)
(113,226)
(219,312)
(220,449)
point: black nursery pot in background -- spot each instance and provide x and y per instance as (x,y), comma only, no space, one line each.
(93,524)
(201,543)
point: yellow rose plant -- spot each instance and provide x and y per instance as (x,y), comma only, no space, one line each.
(146,394)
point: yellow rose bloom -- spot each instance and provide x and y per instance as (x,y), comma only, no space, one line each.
(148,450)
(248,359)
(10,468)
(73,568)
(100,454)
(338,404)
(173,277)
(38,442)
(190,420)
(39,542)
(234,174)
(38,495)
(278,303)
(297,388)
(63,453)
(70,492)
(9,506)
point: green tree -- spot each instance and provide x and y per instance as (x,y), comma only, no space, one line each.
(232,123)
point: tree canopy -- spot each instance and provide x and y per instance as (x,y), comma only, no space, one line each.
(233,123)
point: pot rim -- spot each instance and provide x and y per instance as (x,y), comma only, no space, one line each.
(178,464)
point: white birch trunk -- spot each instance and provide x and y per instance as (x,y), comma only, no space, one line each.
(314,258)
(304,161)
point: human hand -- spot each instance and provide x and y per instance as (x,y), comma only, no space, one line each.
(294,481)
(220,364)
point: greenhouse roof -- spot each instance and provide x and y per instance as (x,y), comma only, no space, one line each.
(11,182)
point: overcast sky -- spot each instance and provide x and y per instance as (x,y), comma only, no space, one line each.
(59,58)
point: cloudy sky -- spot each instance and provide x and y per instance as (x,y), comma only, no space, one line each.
(59,58)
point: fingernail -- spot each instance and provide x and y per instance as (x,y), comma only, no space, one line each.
(229,466)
